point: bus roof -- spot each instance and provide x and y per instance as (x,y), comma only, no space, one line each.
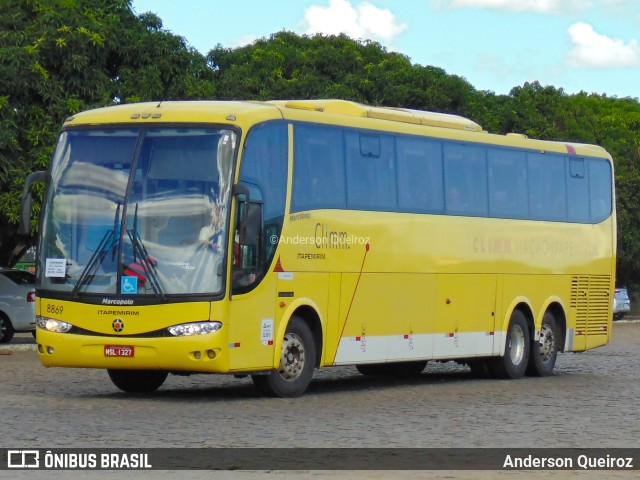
(215,110)
(188,111)
(246,113)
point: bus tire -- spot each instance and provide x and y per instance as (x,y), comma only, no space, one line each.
(403,369)
(297,363)
(544,351)
(6,329)
(516,353)
(137,381)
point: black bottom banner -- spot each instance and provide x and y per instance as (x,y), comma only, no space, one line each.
(318,459)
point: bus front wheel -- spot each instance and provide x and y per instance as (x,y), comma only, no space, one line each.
(544,351)
(516,353)
(137,381)
(297,363)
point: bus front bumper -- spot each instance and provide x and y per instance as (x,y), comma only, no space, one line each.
(202,353)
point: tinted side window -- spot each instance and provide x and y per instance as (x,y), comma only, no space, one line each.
(265,164)
(420,185)
(547,187)
(264,172)
(371,171)
(577,191)
(465,175)
(346,168)
(600,189)
(318,171)
(508,189)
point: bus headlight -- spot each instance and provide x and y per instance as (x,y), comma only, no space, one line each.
(53,325)
(199,328)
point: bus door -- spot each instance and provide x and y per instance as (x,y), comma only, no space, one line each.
(260,195)
(253,290)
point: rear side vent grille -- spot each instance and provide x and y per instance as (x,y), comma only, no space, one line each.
(591,297)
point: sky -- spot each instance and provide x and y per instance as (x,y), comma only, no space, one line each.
(577,45)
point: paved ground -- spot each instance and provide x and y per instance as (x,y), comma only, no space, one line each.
(591,401)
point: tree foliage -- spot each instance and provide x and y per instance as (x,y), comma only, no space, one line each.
(290,66)
(58,57)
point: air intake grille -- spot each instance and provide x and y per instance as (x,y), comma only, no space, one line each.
(591,297)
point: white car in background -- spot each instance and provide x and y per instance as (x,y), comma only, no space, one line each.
(621,303)
(17,303)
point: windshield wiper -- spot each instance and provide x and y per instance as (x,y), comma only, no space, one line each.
(109,241)
(140,252)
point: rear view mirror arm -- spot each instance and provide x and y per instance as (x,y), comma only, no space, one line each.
(26,201)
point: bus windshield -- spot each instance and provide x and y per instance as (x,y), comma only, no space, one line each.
(138,212)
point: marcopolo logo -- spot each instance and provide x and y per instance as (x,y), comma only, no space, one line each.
(116,301)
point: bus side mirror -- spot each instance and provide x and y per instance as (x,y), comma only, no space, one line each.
(26,202)
(250,216)
(251,225)
(240,189)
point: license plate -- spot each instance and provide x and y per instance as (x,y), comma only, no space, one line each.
(119,351)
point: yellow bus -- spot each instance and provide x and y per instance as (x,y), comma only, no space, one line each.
(273,238)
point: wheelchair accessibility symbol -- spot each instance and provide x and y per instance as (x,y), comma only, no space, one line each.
(129,285)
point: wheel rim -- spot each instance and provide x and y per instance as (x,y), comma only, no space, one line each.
(3,327)
(293,357)
(547,343)
(516,349)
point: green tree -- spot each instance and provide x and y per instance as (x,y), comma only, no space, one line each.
(58,57)
(287,65)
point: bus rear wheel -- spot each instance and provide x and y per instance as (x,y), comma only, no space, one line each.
(297,363)
(137,381)
(516,353)
(545,351)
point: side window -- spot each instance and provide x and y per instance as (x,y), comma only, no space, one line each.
(600,189)
(465,178)
(318,170)
(265,164)
(371,171)
(264,173)
(547,187)
(577,191)
(508,197)
(420,187)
